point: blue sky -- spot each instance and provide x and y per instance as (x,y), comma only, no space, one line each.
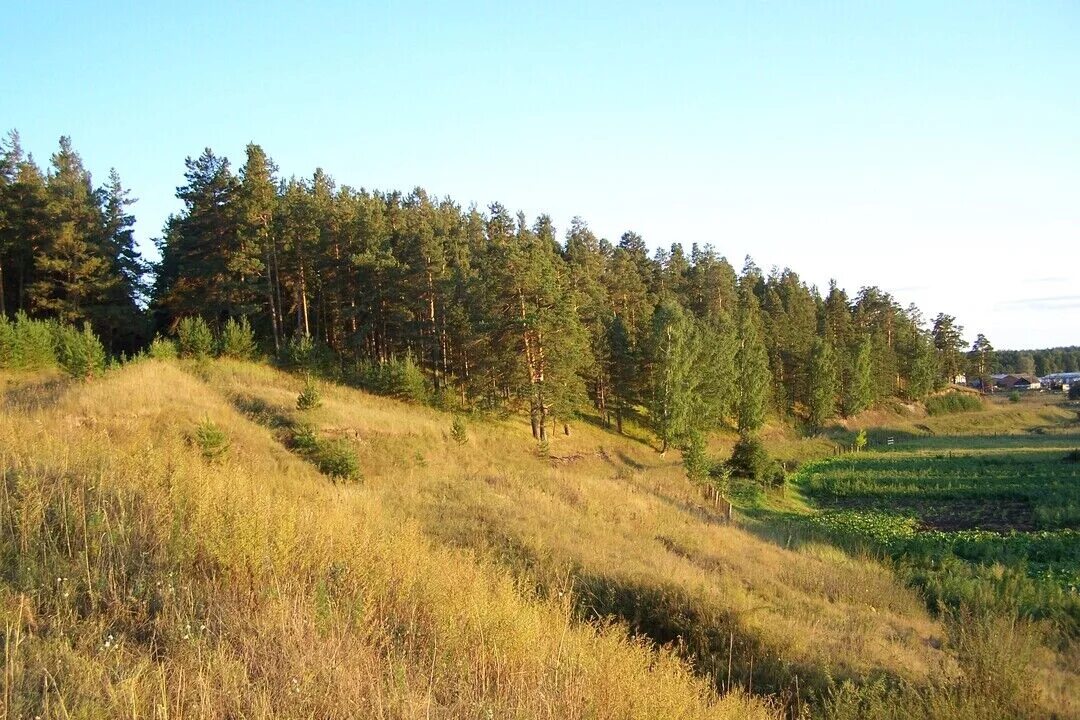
(932,149)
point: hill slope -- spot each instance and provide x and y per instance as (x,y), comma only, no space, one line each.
(455,580)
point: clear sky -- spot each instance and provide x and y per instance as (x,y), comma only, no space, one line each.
(929,148)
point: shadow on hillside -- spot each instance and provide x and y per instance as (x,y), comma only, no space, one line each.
(36,396)
(715,640)
(261,412)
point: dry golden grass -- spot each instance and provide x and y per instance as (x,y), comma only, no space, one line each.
(455,580)
(621,524)
(140,581)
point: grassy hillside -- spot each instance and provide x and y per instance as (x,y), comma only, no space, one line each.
(454,579)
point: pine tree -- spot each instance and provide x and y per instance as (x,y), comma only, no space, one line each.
(257,206)
(671,357)
(24,224)
(949,341)
(751,361)
(981,360)
(924,370)
(821,401)
(73,275)
(861,391)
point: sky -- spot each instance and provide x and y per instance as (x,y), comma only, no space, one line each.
(929,148)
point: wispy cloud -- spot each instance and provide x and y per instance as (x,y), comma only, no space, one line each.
(1057,302)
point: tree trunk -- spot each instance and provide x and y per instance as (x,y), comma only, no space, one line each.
(270,297)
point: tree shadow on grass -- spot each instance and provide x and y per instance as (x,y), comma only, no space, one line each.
(37,395)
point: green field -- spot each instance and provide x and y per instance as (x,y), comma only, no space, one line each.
(990,520)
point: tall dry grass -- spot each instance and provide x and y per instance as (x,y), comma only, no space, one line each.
(141,580)
(621,526)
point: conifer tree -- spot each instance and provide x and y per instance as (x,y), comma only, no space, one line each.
(861,391)
(671,357)
(751,361)
(949,341)
(821,402)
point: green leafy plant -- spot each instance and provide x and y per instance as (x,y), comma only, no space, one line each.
(162,348)
(860,440)
(457,430)
(953,402)
(27,344)
(194,339)
(310,397)
(237,340)
(80,353)
(695,460)
(211,439)
(750,460)
(1014,396)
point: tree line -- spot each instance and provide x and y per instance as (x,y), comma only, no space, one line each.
(1039,362)
(493,309)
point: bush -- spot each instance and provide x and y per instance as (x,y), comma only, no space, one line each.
(304,439)
(237,340)
(399,377)
(750,460)
(695,460)
(457,431)
(27,344)
(1074,391)
(162,349)
(309,398)
(80,353)
(211,440)
(1014,396)
(860,440)
(194,339)
(337,459)
(953,402)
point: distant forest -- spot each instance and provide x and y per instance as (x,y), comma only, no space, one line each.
(491,309)
(1038,362)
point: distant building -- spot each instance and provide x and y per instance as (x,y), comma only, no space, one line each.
(1018,381)
(1060,381)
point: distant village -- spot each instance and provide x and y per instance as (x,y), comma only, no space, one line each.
(1054,382)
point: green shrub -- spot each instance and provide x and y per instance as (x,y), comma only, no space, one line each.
(162,349)
(194,339)
(337,459)
(1073,456)
(304,439)
(750,460)
(309,398)
(953,402)
(1014,396)
(27,344)
(212,441)
(80,353)
(695,460)
(303,353)
(860,440)
(399,377)
(237,340)
(457,430)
